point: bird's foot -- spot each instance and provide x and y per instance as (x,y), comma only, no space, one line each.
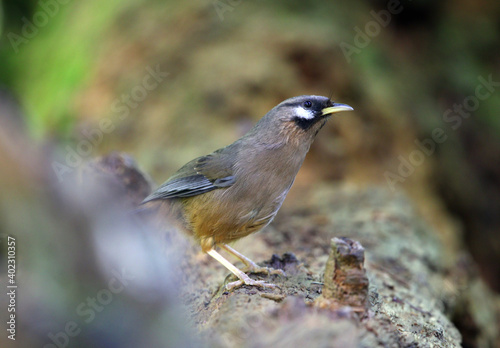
(264,270)
(246,280)
(251,266)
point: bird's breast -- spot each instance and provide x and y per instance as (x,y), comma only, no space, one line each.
(260,187)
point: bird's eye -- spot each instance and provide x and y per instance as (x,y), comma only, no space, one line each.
(308,104)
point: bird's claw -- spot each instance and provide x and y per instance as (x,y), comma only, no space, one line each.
(267,270)
(248,281)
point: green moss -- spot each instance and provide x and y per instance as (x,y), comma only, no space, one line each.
(52,67)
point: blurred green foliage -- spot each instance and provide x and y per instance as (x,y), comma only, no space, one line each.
(47,70)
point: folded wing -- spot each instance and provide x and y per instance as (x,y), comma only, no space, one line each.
(199,176)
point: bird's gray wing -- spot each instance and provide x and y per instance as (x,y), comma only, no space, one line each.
(201,175)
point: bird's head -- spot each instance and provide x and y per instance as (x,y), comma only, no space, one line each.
(297,120)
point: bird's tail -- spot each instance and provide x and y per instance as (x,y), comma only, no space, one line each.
(143,211)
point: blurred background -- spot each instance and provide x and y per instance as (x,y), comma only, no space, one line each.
(168,81)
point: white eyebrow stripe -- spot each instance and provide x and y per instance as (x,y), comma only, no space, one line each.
(304,113)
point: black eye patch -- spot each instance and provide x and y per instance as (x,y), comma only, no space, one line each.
(304,123)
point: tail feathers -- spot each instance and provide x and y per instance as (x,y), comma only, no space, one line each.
(143,211)
(139,210)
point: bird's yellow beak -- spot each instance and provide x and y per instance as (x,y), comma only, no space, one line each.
(337,107)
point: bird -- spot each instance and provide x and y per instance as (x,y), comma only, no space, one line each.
(237,190)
